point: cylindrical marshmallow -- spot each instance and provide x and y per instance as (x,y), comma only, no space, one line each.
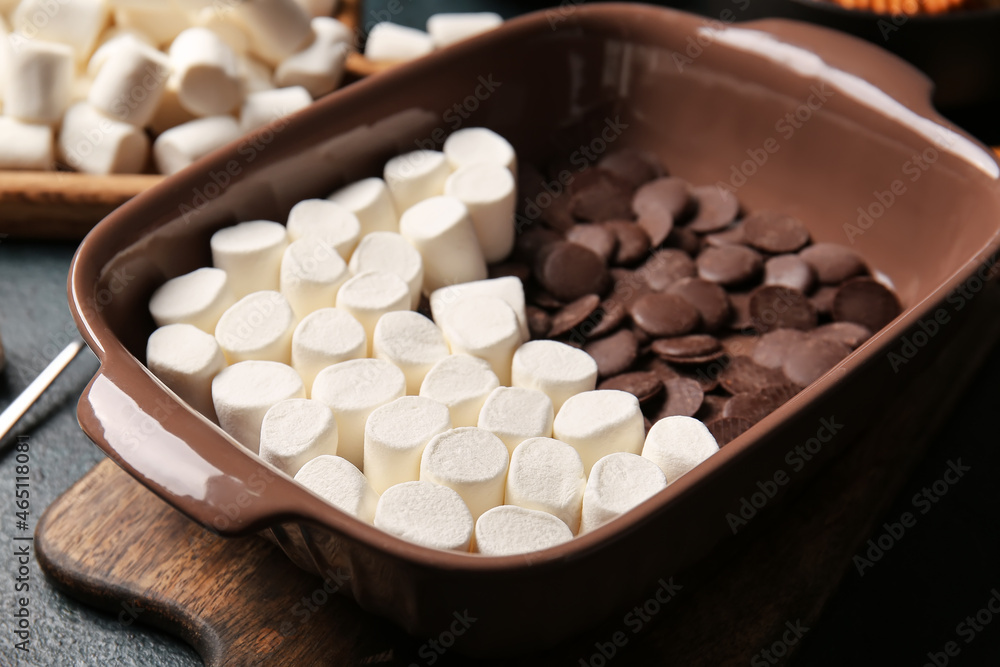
(225,25)
(205,73)
(25,145)
(427,514)
(75,23)
(484,327)
(515,414)
(319,218)
(353,389)
(509,530)
(324,338)
(508,288)
(470,460)
(557,369)
(446,29)
(370,201)
(600,422)
(183,145)
(92,143)
(169,112)
(441,230)
(338,482)
(39,80)
(198,298)
(250,253)
(114,41)
(463,383)
(256,77)
(489,192)
(395,437)
(472,145)
(129,85)
(244,392)
(390,42)
(415,176)
(618,483)
(278,28)
(320,66)
(160,20)
(311,275)
(261,107)
(258,326)
(391,253)
(678,444)
(186,359)
(296,431)
(410,341)
(547,475)
(370,295)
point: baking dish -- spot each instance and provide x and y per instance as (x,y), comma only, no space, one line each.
(704,96)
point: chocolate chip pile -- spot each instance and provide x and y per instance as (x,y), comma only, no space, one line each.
(691,303)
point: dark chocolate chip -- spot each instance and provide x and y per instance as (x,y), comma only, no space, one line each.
(774,232)
(558,215)
(681,349)
(543,299)
(833,263)
(743,375)
(684,239)
(573,314)
(633,242)
(661,314)
(606,196)
(739,302)
(666,267)
(657,226)
(712,407)
(612,313)
(717,207)
(790,271)
(570,271)
(614,354)
(532,240)
(539,322)
(600,239)
(732,236)
(662,370)
(729,265)
(754,406)
(727,429)
(644,385)
(772,348)
(776,307)
(672,195)
(822,300)
(850,334)
(684,398)
(811,357)
(865,302)
(708,298)
(738,345)
(631,166)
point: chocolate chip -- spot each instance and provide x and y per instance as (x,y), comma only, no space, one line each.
(777,307)
(605,196)
(684,239)
(672,195)
(727,429)
(811,357)
(570,271)
(595,237)
(529,184)
(657,226)
(693,349)
(772,348)
(738,345)
(706,376)
(666,267)
(573,314)
(717,207)
(774,232)
(866,302)
(822,300)
(532,240)
(633,242)
(631,166)
(833,263)
(850,334)
(729,265)
(558,215)
(644,385)
(712,407)
(516,269)
(790,271)
(684,398)
(735,235)
(539,322)
(708,298)
(540,297)
(743,374)
(661,314)
(754,406)
(740,304)
(614,354)
(612,313)
(662,370)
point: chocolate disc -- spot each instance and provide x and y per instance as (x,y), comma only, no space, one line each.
(661,314)
(811,357)
(774,232)
(670,194)
(614,354)
(789,271)
(681,348)
(684,398)
(666,267)
(717,207)
(822,300)
(531,241)
(644,385)
(631,166)
(612,313)
(657,226)
(539,322)
(708,298)
(865,302)
(739,302)
(711,407)
(776,307)
(729,264)
(754,406)
(850,334)
(743,375)
(833,263)
(734,235)
(727,429)
(573,314)
(595,237)
(772,348)
(570,271)
(633,242)
(603,198)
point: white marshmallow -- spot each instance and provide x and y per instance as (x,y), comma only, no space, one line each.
(186,359)
(600,422)
(508,288)
(311,275)
(205,73)
(256,77)
(470,460)
(296,431)
(353,389)
(277,28)
(395,437)
(410,341)
(323,338)
(415,176)
(678,444)
(169,112)
(244,392)
(508,530)
(258,326)
(114,41)
(319,218)
(547,475)
(391,253)
(319,67)
(198,298)
(75,23)
(318,7)
(25,145)
(484,327)
(183,145)
(370,295)
(225,25)
(558,369)
(39,80)
(446,29)
(129,85)
(390,42)
(489,192)
(92,143)
(441,230)
(250,253)
(463,383)
(162,21)
(472,145)
(369,199)
(618,483)
(262,107)
(338,482)
(427,514)
(514,415)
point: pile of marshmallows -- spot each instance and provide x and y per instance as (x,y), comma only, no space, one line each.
(303,344)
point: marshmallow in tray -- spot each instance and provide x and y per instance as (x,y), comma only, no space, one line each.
(463,383)
(391,42)
(508,530)
(312,273)
(224,25)
(325,337)
(114,42)
(446,29)
(515,414)
(470,460)
(258,326)
(320,66)
(678,444)
(547,475)
(473,145)
(353,389)
(92,143)
(75,23)
(186,359)
(244,392)
(370,295)
(25,145)
(250,253)
(617,483)
(489,192)
(161,21)
(263,106)
(441,230)
(390,252)
(184,144)
(277,28)
(395,437)
(296,431)
(557,369)
(508,288)
(205,73)
(427,514)
(39,81)
(324,219)
(198,298)
(600,422)
(415,176)
(411,342)
(370,200)
(484,327)
(129,84)
(337,481)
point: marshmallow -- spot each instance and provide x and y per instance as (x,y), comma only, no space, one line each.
(369,199)
(319,67)
(395,437)
(389,252)
(311,275)
(618,483)
(92,143)
(446,29)
(205,73)
(600,422)
(160,20)
(183,145)
(353,389)
(169,112)
(198,298)
(508,530)
(514,415)
(255,77)
(490,194)
(263,106)
(678,444)
(547,475)
(508,288)
(319,218)
(39,80)
(484,327)
(129,84)
(244,392)
(296,431)
(415,176)
(410,341)
(558,369)
(225,26)
(277,28)
(324,338)
(258,326)
(426,514)
(441,230)
(116,40)
(473,145)
(75,23)
(339,483)
(390,42)
(186,359)
(25,145)
(370,295)
(251,254)
(463,383)
(470,460)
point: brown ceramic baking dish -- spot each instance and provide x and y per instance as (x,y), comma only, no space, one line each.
(706,99)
